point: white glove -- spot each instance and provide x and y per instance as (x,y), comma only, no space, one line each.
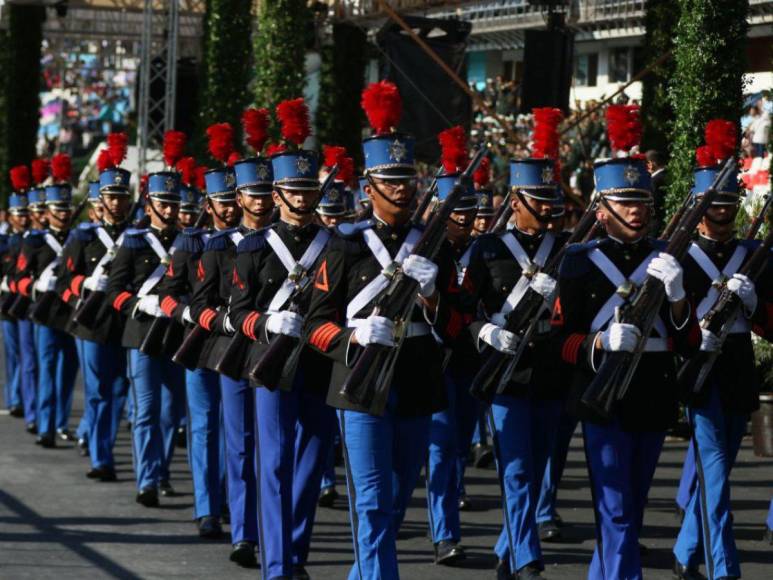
(620,337)
(149,305)
(501,339)
(376,330)
(95,283)
(543,285)
(666,269)
(4,285)
(744,288)
(423,271)
(45,284)
(187,315)
(710,342)
(285,322)
(227,326)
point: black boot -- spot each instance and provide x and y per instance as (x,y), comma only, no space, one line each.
(243,553)
(687,572)
(530,571)
(148,497)
(209,527)
(327,497)
(448,553)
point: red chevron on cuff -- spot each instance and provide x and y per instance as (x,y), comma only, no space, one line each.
(324,335)
(66,295)
(248,326)
(206,318)
(24,286)
(168,305)
(571,347)
(76,284)
(121,299)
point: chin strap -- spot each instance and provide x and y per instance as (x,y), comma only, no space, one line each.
(619,218)
(117,220)
(228,224)
(384,197)
(540,218)
(258,214)
(294,209)
(165,221)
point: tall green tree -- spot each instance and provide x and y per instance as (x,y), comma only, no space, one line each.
(20,52)
(342,78)
(280,51)
(657,112)
(709,59)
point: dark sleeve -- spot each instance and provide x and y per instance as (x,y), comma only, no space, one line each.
(120,280)
(26,266)
(71,271)
(325,328)
(452,315)
(206,292)
(174,286)
(476,279)
(243,314)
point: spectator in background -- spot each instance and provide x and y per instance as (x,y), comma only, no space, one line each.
(656,164)
(759,129)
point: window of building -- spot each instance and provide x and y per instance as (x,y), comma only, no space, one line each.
(586,69)
(619,69)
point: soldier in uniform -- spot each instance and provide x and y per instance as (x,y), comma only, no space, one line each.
(502,268)
(36,275)
(86,263)
(484,218)
(156,382)
(719,414)
(595,279)
(294,426)
(384,453)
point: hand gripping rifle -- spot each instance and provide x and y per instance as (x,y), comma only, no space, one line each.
(725,311)
(618,367)
(369,381)
(86,311)
(165,335)
(497,368)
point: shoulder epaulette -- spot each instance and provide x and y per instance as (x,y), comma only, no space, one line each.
(87,226)
(252,242)
(222,233)
(219,241)
(189,240)
(134,239)
(575,262)
(136,232)
(82,234)
(349,230)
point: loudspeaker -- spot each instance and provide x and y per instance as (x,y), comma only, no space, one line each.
(547,74)
(432,102)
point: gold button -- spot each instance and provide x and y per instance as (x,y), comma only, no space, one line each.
(363,278)
(393,236)
(270,280)
(297,239)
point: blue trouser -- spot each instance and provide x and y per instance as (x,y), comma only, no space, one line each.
(769,521)
(450,431)
(157,391)
(104,373)
(554,470)
(523,431)
(707,529)
(329,473)
(621,465)
(87,419)
(57,369)
(384,456)
(29,370)
(241,460)
(12,391)
(202,390)
(295,431)
(689,479)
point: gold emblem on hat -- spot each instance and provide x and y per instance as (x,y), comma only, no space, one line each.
(333,195)
(169,184)
(398,151)
(303,165)
(484,200)
(547,175)
(631,174)
(118,179)
(261,170)
(230,179)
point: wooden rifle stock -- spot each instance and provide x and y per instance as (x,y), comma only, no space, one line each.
(675,218)
(617,368)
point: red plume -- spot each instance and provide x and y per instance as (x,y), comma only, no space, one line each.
(174,144)
(453,143)
(233,158)
(333,154)
(104,161)
(61,168)
(274,148)
(255,124)
(117,144)
(294,120)
(144,184)
(40,170)
(345,170)
(705,156)
(623,126)
(482,174)
(220,141)
(545,137)
(200,182)
(20,178)
(721,138)
(382,105)
(186,166)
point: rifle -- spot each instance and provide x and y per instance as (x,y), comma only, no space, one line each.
(155,341)
(497,368)
(725,311)
(617,368)
(676,218)
(502,217)
(87,310)
(369,382)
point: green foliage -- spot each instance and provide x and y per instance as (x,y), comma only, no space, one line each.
(657,112)
(20,49)
(280,51)
(227,63)
(339,116)
(709,59)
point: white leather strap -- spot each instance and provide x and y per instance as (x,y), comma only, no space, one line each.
(236,237)
(157,274)
(527,265)
(462,265)
(53,243)
(110,247)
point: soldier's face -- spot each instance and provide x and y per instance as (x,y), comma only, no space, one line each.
(59,217)
(167,212)
(460,224)
(331,221)
(224,213)
(631,224)
(482,225)
(525,219)
(117,206)
(719,222)
(391,197)
(39,218)
(255,203)
(302,200)
(19,221)
(186,219)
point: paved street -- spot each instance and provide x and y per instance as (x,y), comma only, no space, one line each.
(54,523)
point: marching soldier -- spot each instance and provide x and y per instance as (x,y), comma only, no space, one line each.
(622,453)
(384,454)
(36,280)
(484,218)
(294,426)
(86,263)
(719,414)
(156,383)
